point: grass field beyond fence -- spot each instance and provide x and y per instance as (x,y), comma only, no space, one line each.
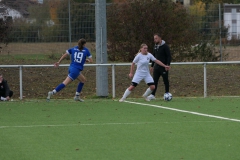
(103,129)
(49,48)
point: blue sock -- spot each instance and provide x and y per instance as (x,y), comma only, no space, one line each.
(60,87)
(80,86)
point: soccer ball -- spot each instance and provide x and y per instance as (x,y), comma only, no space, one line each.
(167,96)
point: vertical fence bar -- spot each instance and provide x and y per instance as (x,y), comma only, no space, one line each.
(205,80)
(69,23)
(101,45)
(113,82)
(220,31)
(20,80)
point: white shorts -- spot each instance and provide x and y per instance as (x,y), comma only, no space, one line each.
(140,76)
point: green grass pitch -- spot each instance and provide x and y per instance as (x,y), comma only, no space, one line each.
(104,129)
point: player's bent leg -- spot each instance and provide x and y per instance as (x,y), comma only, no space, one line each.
(151,96)
(67,80)
(147,92)
(128,91)
(59,87)
(150,83)
(82,78)
(131,88)
(152,86)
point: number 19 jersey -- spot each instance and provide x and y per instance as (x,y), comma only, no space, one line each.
(78,57)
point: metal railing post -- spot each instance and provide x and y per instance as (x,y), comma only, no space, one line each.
(220,32)
(20,79)
(205,80)
(69,24)
(113,82)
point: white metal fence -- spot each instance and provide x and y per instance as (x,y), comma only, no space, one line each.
(113,71)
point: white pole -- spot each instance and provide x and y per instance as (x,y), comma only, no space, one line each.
(69,24)
(101,45)
(205,80)
(220,32)
(20,79)
(113,82)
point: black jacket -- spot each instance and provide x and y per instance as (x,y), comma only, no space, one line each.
(163,54)
(4,88)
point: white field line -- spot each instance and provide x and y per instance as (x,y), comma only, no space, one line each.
(184,111)
(103,124)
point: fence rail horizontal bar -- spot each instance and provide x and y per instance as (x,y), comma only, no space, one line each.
(119,64)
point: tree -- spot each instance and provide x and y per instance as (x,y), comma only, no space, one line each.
(135,21)
(82,20)
(236,1)
(208,23)
(5,28)
(216,1)
(90,1)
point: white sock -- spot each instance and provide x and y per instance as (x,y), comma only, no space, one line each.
(126,93)
(148,91)
(3,99)
(54,91)
(77,93)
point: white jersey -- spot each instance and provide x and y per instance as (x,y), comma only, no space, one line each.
(143,61)
(142,71)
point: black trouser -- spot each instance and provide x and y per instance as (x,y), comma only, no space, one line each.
(156,75)
(2,94)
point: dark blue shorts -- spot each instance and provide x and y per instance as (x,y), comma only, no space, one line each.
(73,73)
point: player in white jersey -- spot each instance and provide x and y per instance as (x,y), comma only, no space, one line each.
(142,60)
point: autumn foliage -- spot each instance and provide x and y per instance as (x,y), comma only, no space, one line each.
(135,21)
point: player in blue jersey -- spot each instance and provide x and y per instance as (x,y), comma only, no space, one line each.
(79,55)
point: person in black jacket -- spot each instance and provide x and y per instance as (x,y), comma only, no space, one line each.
(162,53)
(5,92)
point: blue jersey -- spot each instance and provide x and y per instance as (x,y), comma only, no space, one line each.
(78,58)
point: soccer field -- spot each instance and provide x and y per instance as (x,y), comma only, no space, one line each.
(104,129)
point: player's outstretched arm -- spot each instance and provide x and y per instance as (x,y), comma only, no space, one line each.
(161,64)
(63,57)
(131,70)
(90,60)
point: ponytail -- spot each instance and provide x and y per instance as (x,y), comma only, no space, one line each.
(81,42)
(138,52)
